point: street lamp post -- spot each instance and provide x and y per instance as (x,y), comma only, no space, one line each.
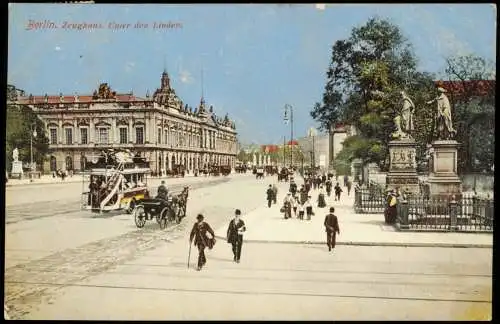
(289,108)
(32,134)
(312,133)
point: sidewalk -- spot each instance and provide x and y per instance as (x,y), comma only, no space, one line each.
(48,179)
(268,225)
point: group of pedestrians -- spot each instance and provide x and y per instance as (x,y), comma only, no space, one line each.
(204,237)
(297,203)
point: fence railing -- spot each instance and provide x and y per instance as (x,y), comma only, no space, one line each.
(371,199)
(468,214)
(419,212)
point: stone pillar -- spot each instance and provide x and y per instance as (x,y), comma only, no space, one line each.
(131,133)
(170,160)
(76,132)
(164,161)
(114,132)
(443,179)
(60,132)
(403,167)
(254,159)
(357,165)
(91,131)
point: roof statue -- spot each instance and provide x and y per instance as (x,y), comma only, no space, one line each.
(211,108)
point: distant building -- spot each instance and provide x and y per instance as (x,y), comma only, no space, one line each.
(316,150)
(160,128)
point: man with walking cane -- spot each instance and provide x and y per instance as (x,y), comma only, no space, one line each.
(201,240)
(235,234)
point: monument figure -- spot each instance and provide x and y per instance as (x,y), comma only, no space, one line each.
(15,155)
(404,121)
(443,125)
(407,113)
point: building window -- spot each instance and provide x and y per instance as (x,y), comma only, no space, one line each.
(84,135)
(166,136)
(159,135)
(103,135)
(69,136)
(123,135)
(139,135)
(53,136)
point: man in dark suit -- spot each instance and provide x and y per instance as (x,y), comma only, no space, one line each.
(199,233)
(270,195)
(332,228)
(235,234)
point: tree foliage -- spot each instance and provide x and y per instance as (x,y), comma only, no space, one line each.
(21,121)
(364,79)
(473,100)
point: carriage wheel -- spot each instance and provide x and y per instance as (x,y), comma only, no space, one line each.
(163,218)
(131,207)
(140,216)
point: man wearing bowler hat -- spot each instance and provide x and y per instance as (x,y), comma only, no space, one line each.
(332,229)
(201,240)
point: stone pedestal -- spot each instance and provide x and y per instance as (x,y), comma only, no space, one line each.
(403,166)
(357,169)
(443,179)
(17,169)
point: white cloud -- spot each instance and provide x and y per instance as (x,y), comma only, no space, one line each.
(129,66)
(57,48)
(185,77)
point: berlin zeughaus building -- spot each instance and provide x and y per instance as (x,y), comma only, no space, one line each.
(161,129)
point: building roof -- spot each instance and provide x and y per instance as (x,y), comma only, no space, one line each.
(467,87)
(71,99)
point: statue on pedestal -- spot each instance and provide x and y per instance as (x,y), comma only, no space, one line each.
(404,121)
(443,126)
(15,155)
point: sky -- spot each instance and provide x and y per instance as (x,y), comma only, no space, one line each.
(255,58)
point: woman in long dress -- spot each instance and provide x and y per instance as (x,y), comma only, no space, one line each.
(321,198)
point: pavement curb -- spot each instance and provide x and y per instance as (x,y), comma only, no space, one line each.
(393,244)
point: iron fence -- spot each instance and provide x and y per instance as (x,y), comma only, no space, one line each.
(468,214)
(371,199)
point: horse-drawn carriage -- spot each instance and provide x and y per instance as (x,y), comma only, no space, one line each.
(259,173)
(283,175)
(165,211)
(178,170)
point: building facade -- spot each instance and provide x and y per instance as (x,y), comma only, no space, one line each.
(315,149)
(160,128)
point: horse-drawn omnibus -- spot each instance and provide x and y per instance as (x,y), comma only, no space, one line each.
(115,181)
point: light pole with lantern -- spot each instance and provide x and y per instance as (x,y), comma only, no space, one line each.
(312,134)
(32,134)
(288,114)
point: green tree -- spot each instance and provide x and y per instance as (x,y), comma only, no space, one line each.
(366,74)
(21,121)
(473,100)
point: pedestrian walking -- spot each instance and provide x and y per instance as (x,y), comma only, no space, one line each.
(287,205)
(275,191)
(235,235)
(349,186)
(294,205)
(300,208)
(332,229)
(328,187)
(200,233)
(321,198)
(338,190)
(270,195)
(309,208)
